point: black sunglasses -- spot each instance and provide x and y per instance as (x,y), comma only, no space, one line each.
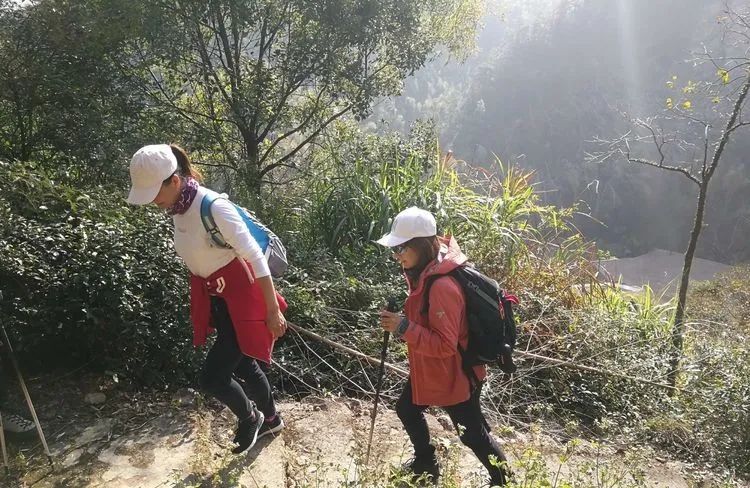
(399,249)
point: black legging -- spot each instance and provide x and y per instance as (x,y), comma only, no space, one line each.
(225,359)
(473,431)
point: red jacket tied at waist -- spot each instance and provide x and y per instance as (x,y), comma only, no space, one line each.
(246,307)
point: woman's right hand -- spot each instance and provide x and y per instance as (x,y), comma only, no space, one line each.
(276,323)
(390,321)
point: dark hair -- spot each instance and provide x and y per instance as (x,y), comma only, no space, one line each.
(185,169)
(427,249)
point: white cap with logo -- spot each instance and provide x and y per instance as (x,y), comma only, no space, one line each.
(150,166)
(408,224)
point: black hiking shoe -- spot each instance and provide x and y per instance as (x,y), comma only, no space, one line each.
(499,481)
(271,426)
(424,470)
(247,431)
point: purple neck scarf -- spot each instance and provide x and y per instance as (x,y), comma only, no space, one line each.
(187,195)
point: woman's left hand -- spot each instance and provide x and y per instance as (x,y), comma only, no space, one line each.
(389,320)
(276,324)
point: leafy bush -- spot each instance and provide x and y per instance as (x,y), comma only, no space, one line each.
(706,420)
(87,280)
(716,374)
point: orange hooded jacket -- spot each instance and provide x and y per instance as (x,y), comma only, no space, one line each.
(437,377)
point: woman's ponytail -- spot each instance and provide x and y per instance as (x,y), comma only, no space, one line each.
(183,163)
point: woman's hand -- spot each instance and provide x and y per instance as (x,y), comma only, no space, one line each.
(275,320)
(389,321)
(276,323)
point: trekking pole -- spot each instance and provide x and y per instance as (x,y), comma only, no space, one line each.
(386,336)
(3,446)
(25,391)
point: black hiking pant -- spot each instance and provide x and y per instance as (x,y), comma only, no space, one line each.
(469,422)
(225,363)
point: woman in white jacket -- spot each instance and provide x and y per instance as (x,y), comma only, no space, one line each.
(231,290)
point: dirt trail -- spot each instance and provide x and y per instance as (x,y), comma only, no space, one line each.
(323,446)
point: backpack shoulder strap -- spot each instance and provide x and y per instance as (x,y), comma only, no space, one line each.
(428,286)
(457,274)
(474,381)
(208,221)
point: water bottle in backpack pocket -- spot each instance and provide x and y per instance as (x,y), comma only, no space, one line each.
(269,243)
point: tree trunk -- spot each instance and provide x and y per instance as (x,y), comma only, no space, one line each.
(250,169)
(678,328)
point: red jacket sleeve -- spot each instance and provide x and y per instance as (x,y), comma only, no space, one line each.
(439,338)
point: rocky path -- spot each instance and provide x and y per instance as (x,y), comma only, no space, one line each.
(185,443)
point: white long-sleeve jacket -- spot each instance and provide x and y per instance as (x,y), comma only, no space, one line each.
(195,246)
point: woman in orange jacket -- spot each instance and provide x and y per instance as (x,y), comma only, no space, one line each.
(436,376)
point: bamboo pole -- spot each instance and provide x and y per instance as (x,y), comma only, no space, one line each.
(348,350)
(583,367)
(404,373)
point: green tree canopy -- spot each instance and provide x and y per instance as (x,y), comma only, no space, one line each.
(256,81)
(61,87)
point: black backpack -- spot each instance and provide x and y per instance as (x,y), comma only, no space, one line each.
(492,326)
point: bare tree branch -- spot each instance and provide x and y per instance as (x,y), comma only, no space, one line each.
(666,167)
(741,124)
(217,165)
(302,144)
(292,131)
(278,109)
(730,127)
(206,59)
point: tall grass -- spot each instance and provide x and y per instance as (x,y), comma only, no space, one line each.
(362,181)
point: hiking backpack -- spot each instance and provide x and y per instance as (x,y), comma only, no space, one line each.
(269,243)
(492,326)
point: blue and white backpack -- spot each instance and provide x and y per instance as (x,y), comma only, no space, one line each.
(269,242)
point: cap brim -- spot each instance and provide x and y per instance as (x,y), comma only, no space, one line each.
(390,240)
(142,196)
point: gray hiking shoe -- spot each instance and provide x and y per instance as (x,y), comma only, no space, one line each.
(15,424)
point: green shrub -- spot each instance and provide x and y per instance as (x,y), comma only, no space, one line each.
(88,280)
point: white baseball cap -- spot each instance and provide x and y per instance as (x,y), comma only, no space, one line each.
(150,166)
(408,224)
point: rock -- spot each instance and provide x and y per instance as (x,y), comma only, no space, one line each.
(100,430)
(149,456)
(266,465)
(446,423)
(186,397)
(96,398)
(89,441)
(72,458)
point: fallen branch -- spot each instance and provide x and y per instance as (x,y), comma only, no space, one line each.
(348,350)
(404,373)
(582,367)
